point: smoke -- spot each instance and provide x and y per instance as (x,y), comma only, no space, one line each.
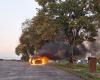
(93,47)
(60,50)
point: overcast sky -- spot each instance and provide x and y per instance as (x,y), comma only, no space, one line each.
(12,14)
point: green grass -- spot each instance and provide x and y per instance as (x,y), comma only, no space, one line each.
(97,71)
(79,69)
(97,79)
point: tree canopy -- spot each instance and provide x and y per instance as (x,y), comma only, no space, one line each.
(77,20)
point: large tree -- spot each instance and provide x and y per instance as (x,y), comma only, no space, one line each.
(27,40)
(78,19)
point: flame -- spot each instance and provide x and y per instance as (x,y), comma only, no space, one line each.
(38,60)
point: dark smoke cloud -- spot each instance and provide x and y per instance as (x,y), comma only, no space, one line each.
(60,50)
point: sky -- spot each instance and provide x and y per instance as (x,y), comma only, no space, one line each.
(12,14)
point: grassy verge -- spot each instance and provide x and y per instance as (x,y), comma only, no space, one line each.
(80,70)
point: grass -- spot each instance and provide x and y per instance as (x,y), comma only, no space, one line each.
(79,70)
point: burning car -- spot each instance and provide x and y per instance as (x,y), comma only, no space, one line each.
(38,60)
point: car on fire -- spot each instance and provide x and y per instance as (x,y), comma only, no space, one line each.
(38,60)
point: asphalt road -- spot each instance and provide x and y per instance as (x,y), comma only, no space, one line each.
(13,70)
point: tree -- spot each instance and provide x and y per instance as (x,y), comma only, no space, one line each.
(78,19)
(26,46)
(29,40)
(22,50)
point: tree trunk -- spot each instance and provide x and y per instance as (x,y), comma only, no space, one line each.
(71,60)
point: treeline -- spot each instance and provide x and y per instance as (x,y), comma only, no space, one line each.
(76,20)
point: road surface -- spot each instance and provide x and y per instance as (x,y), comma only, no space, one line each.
(15,70)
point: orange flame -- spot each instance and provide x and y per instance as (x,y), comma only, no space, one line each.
(38,60)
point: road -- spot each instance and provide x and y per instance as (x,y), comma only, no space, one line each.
(15,70)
